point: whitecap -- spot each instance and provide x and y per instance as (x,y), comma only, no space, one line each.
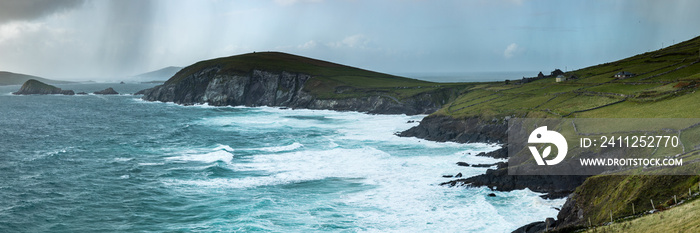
(56,152)
(151,164)
(224,147)
(289,147)
(122,159)
(220,155)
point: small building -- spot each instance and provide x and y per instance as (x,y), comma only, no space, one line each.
(624,74)
(561,78)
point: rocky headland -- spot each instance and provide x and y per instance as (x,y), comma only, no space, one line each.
(34,87)
(284,89)
(218,84)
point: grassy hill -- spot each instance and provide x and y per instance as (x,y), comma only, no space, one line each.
(9,78)
(664,86)
(330,80)
(682,218)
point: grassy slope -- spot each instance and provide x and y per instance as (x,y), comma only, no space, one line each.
(602,195)
(665,86)
(679,219)
(330,80)
(8,78)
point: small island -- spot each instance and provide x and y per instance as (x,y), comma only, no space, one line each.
(108,91)
(34,87)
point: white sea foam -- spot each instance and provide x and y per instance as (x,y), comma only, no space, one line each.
(151,164)
(289,147)
(139,100)
(401,173)
(224,147)
(219,155)
(123,159)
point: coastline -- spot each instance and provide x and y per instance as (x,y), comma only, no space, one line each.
(471,130)
(288,90)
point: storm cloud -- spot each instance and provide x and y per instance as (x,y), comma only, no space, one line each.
(112,39)
(12,10)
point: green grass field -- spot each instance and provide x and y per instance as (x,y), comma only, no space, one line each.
(664,86)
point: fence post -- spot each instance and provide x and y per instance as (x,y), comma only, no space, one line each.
(675,200)
(611,220)
(633,208)
(652,204)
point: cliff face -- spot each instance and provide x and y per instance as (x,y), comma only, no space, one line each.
(266,88)
(34,87)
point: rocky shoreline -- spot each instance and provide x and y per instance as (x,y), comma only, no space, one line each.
(445,128)
(470,130)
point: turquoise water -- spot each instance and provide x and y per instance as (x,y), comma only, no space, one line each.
(119,164)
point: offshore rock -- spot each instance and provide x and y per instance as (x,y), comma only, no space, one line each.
(34,87)
(108,91)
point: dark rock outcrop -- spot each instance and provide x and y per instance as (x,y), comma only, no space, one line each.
(283,89)
(464,164)
(498,179)
(34,87)
(537,227)
(108,91)
(445,128)
(500,153)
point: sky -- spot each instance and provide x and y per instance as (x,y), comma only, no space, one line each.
(111,39)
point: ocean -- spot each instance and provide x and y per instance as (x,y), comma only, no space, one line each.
(119,164)
(452,77)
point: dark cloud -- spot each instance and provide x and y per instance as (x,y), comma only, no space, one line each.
(11,10)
